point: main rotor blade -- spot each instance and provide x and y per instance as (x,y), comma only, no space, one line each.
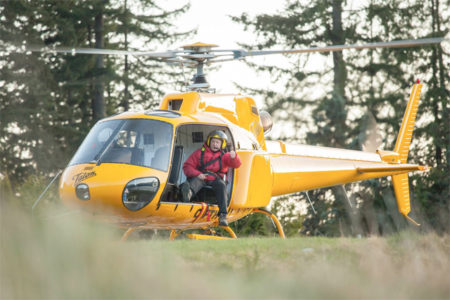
(392,44)
(73,51)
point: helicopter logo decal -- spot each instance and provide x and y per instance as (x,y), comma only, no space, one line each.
(82,176)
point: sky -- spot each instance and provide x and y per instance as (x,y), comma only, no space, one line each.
(211,17)
(213,24)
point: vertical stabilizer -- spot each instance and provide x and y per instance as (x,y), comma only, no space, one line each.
(407,128)
(401,189)
(400,182)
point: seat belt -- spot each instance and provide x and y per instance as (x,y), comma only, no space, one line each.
(203,165)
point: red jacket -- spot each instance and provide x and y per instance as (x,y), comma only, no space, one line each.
(191,167)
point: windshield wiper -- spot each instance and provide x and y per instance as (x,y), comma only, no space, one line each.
(99,160)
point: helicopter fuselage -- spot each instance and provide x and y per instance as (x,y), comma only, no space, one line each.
(128,169)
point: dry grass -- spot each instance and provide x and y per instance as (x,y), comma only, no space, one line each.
(73,258)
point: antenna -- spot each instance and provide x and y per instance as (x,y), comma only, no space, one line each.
(310,202)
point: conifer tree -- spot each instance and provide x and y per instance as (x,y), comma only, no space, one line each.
(390,75)
(303,25)
(372,84)
(49,101)
(433,138)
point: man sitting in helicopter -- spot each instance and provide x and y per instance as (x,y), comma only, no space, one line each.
(207,166)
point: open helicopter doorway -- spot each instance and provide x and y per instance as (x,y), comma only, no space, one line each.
(188,138)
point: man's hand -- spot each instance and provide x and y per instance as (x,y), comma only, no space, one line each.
(202,176)
(232,154)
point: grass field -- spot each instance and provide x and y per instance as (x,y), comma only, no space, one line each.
(73,258)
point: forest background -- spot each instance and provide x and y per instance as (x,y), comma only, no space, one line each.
(48,102)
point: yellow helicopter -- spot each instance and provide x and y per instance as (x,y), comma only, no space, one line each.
(128,169)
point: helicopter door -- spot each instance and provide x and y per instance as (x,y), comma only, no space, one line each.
(189,138)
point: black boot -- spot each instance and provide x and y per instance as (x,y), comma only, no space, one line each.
(186,192)
(223,220)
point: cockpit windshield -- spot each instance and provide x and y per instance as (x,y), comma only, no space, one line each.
(140,142)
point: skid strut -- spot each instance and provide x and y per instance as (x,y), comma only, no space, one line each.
(274,219)
(230,231)
(174,233)
(127,233)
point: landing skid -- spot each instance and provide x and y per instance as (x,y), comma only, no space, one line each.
(211,234)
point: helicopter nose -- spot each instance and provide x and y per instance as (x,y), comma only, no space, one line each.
(139,192)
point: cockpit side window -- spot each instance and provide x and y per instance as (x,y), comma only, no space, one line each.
(245,140)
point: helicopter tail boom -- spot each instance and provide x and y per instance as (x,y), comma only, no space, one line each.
(299,168)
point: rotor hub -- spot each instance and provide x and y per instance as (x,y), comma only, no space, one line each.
(199,47)
(200,53)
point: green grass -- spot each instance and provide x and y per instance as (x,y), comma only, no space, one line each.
(70,257)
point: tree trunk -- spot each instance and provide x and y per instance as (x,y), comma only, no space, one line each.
(438,81)
(98,104)
(340,76)
(126,101)
(338,38)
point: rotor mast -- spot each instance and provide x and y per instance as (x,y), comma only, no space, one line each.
(200,54)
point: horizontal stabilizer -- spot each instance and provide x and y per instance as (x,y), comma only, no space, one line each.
(392,168)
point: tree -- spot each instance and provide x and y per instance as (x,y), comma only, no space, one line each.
(372,84)
(142,79)
(391,73)
(49,101)
(432,192)
(301,25)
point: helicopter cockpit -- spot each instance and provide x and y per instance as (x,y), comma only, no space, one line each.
(140,142)
(148,143)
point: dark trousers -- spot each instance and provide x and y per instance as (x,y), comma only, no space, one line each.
(219,186)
